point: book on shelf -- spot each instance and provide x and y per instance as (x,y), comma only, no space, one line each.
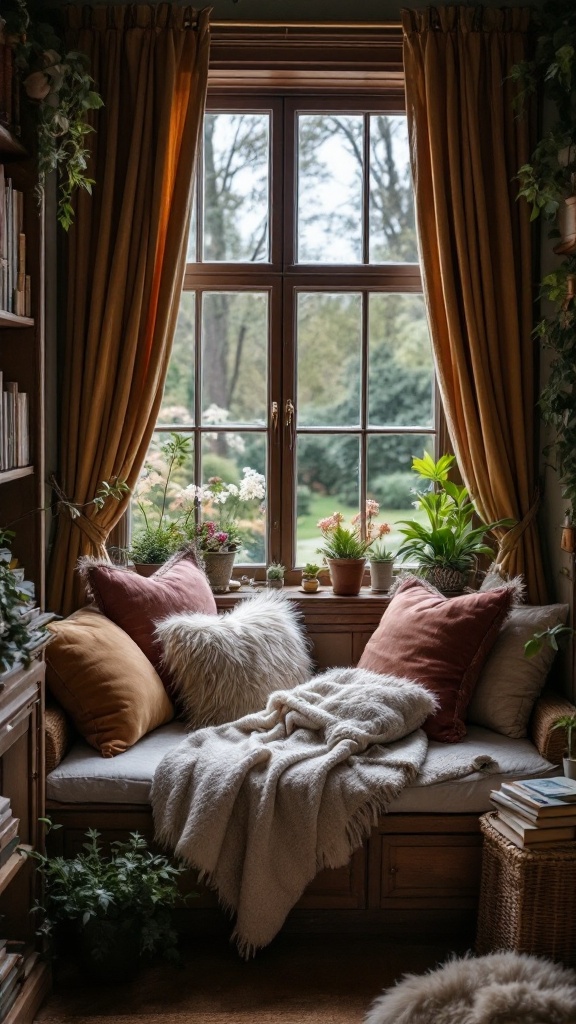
(14,287)
(547,809)
(559,788)
(4,804)
(8,850)
(10,961)
(8,832)
(14,426)
(547,837)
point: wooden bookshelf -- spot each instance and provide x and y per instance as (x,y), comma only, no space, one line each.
(21,509)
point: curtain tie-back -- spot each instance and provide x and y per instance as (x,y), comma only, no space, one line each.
(511,538)
(96,534)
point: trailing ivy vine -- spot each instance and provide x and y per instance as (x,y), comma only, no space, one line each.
(60,93)
(548,183)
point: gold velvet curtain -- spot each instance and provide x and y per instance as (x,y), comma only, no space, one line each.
(126,257)
(475,244)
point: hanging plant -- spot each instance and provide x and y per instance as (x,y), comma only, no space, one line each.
(60,94)
(548,183)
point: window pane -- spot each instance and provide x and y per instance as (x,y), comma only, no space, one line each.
(178,399)
(236,189)
(328,476)
(401,368)
(330,164)
(392,220)
(329,358)
(225,454)
(191,254)
(234,357)
(390,480)
(148,497)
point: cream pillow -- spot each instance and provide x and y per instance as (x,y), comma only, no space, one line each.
(225,666)
(510,682)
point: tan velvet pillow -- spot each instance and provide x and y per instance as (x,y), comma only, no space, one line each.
(136,603)
(440,642)
(102,679)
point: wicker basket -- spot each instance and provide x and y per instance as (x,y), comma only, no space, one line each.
(527,899)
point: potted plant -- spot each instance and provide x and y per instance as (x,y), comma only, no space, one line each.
(60,94)
(345,548)
(116,907)
(381,567)
(275,575)
(446,547)
(310,581)
(568,722)
(215,519)
(161,532)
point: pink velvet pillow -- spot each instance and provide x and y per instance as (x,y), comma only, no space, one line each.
(136,603)
(440,642)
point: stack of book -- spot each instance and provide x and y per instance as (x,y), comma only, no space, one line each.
(9,837)
(16,962)
(536,813)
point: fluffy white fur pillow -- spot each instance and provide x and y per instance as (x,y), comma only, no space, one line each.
(224,667)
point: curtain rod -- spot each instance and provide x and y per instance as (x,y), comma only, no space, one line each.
(308,24)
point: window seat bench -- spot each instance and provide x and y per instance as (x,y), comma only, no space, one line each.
(420,864)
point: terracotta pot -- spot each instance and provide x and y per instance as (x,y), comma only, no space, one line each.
(218,568)
(381,576)
(346,575)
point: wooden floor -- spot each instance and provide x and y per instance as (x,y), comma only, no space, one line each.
(298,979)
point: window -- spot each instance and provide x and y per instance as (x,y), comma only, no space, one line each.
(301,348)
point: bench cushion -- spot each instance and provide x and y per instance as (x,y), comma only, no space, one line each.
(84,777)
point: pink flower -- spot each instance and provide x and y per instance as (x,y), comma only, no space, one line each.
(221,537)
(383,529)
(326,524)
(372,508)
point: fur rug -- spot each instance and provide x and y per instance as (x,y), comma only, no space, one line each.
(502,988)
(224,667)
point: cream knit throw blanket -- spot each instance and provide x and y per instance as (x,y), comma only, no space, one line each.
(260,805)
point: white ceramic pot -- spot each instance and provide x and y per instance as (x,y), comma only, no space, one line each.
(381,576)
(570,767)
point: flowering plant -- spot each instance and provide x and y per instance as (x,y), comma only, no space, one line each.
(160,535)
(345,542)
(224,510)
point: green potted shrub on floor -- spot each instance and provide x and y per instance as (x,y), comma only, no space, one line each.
(117,905)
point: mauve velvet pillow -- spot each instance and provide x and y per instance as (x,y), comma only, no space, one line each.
(439,642)
(136,603)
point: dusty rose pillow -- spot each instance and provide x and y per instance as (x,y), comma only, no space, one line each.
(136,603)
(440,642)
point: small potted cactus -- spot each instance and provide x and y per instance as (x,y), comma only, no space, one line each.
(310,581)
(275,575)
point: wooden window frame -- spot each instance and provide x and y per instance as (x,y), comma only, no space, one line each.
(298,68)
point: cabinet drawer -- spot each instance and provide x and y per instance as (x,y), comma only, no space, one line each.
(428,870)
(338,888)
